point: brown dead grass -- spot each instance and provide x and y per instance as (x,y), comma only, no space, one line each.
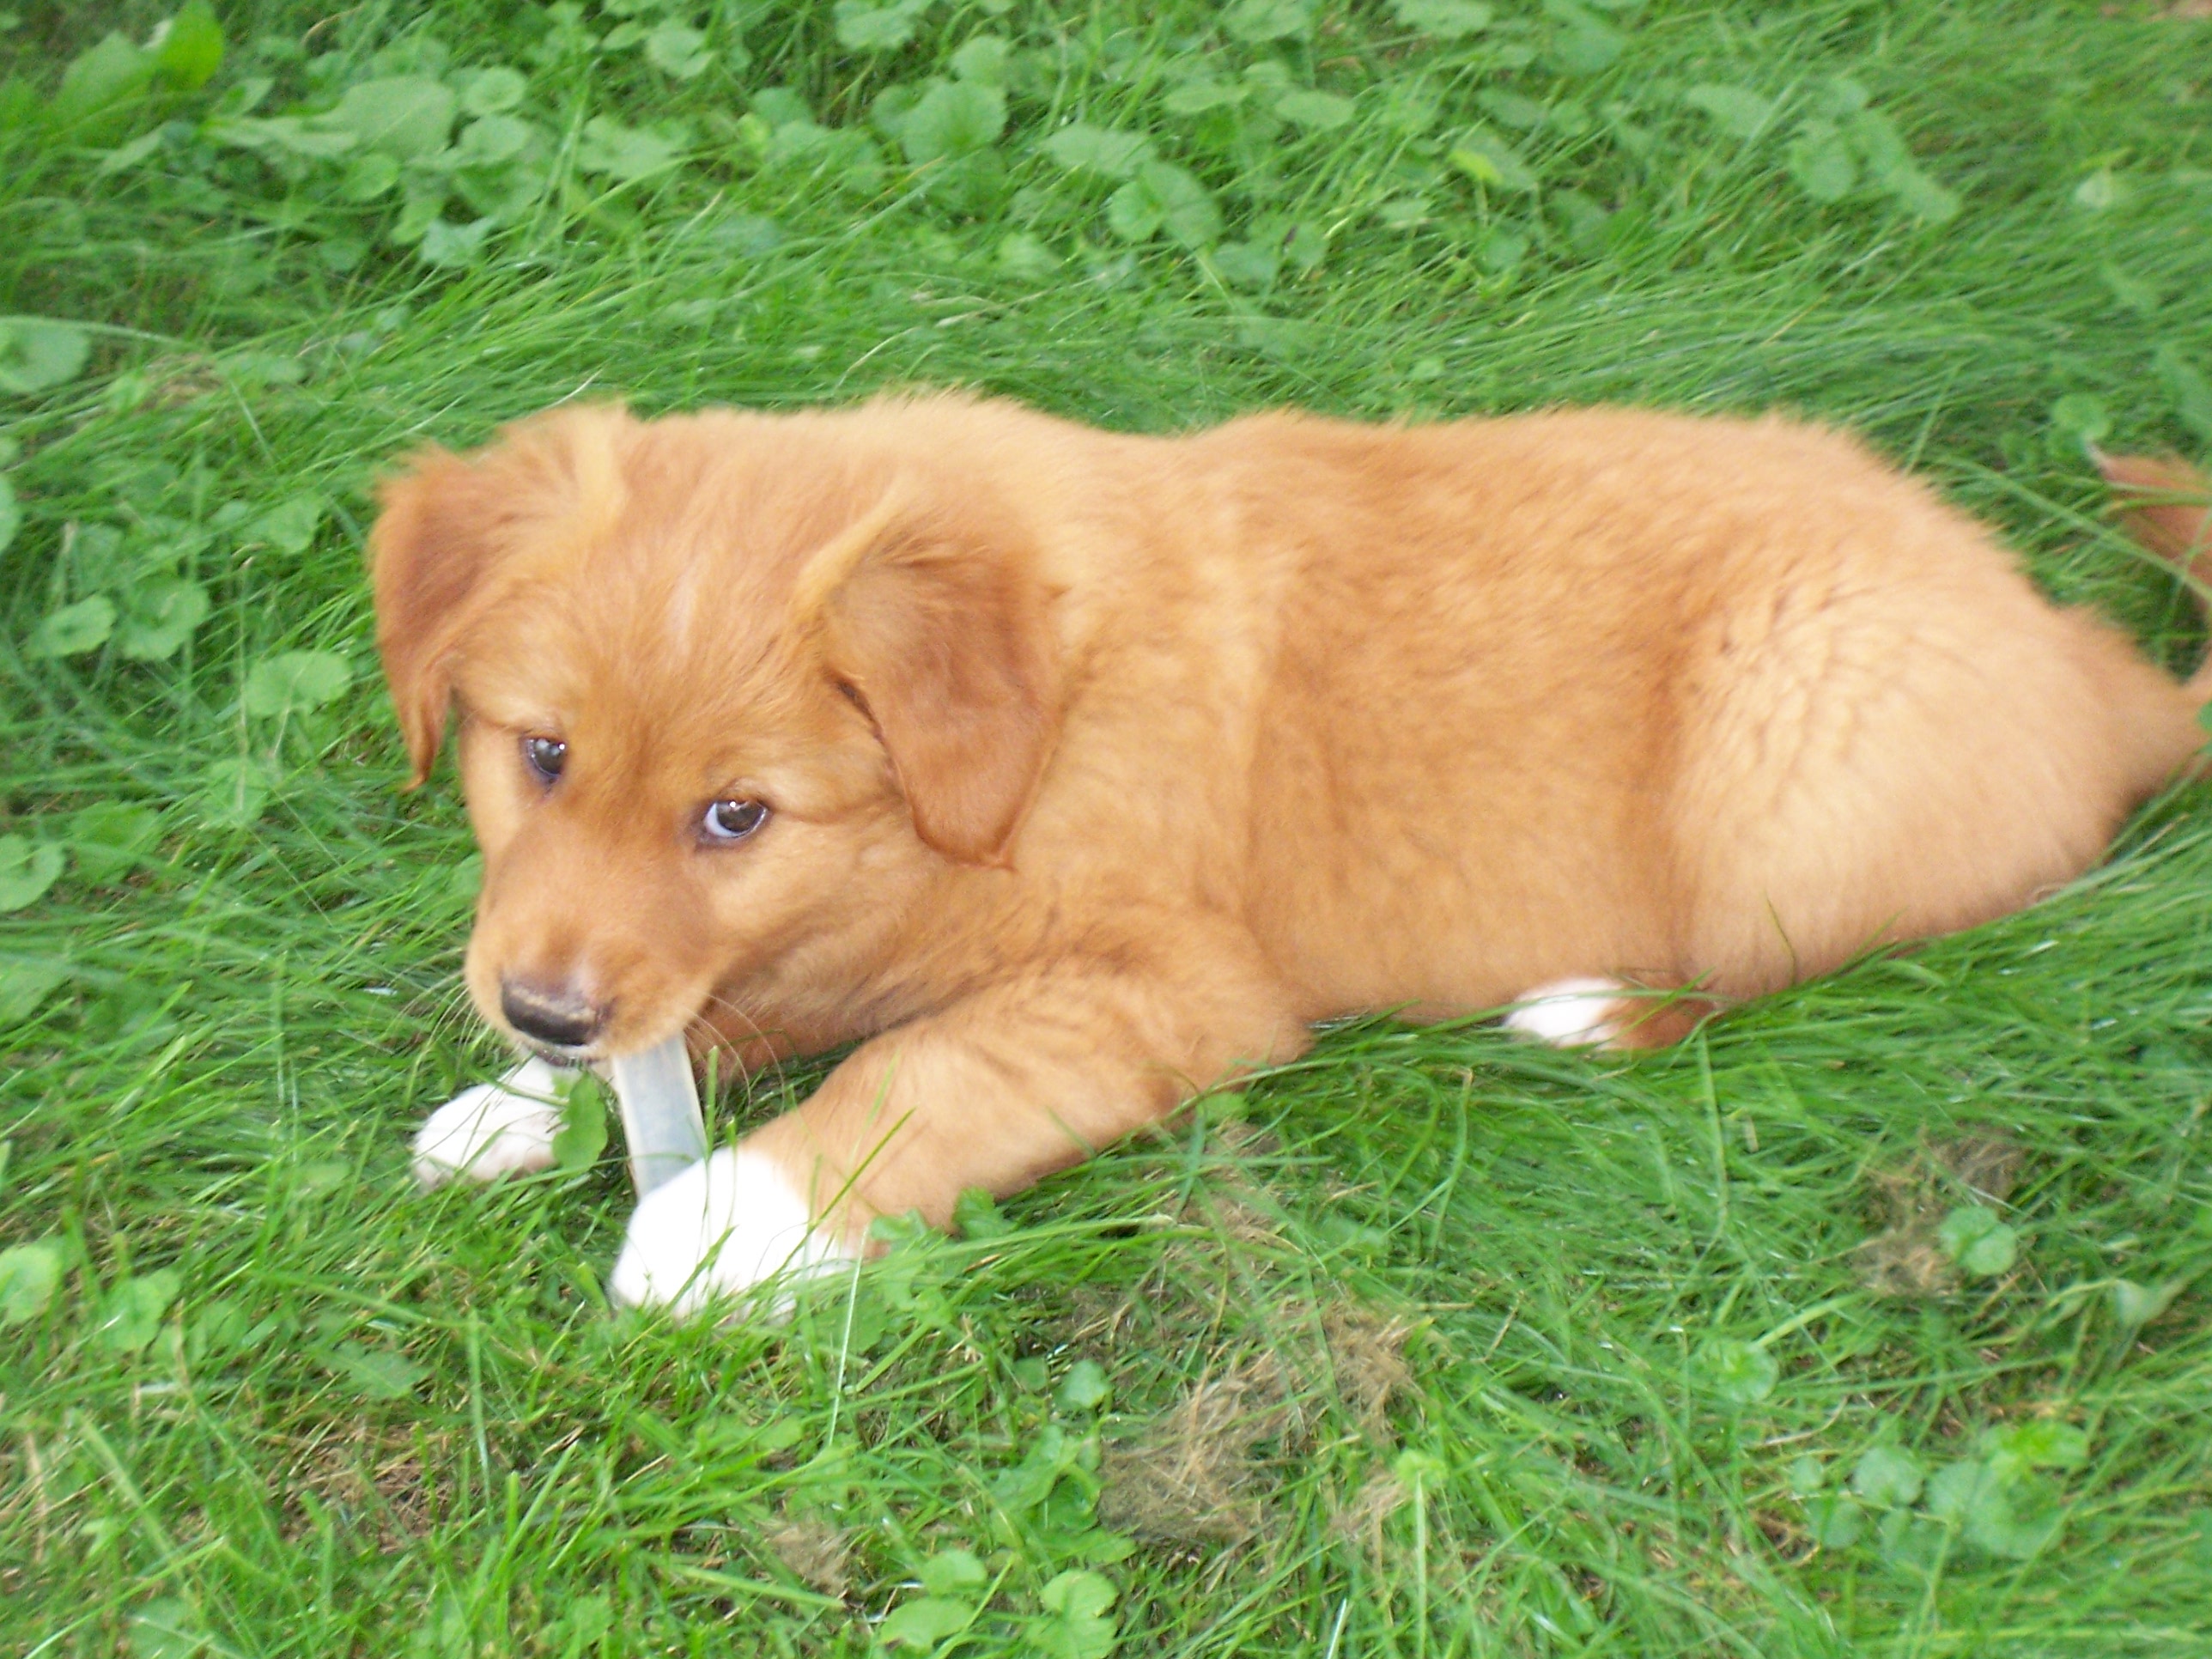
(1202,1472)
(1904,1259)
(1361,1518)
(374,1479)
(1199,1473)
(1367,1354)
(817,1554)
(181,379)
(1193,1475)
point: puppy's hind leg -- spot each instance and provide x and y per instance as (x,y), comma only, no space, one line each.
(2167,505)
(494,1129)
(1605,1014)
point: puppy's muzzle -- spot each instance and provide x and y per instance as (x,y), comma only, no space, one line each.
(559,1016)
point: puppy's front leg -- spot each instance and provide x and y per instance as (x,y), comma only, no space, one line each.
(494,1129)
(1024,1078)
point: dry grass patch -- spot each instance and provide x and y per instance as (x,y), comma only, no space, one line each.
(1905,1258)
(1205,1469)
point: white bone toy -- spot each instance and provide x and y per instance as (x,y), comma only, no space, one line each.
(662,1125)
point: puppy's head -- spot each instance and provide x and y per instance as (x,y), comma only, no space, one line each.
(732,687)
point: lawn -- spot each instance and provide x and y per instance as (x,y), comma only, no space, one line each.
(1875,1320)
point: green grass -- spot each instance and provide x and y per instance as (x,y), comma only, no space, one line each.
(1429,1345)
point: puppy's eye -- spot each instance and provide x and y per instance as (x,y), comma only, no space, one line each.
(733,820)
(544,756)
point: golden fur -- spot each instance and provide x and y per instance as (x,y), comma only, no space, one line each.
(1101,765)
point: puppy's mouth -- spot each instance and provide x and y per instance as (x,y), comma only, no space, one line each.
(560,1058)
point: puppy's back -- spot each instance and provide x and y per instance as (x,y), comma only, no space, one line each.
(1603,691)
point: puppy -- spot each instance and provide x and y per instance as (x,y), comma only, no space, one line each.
(1073,774)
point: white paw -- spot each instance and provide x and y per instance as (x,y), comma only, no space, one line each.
(1568,1013)
(716,1230)
(494,1129)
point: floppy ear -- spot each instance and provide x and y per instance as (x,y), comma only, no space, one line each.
(945,645)
(447,522)
(433,544)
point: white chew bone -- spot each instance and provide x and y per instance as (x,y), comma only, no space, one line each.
(662,1125)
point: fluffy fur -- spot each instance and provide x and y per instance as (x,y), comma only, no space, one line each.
(1099,766)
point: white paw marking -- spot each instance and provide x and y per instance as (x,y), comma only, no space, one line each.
(715,1232)
(494,1129)
(1568,1014)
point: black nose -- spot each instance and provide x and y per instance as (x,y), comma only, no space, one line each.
(556,1014)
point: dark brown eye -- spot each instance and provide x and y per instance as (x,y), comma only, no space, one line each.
(733,820)
(544,756)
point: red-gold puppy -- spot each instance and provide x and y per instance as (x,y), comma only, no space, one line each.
(1075,772)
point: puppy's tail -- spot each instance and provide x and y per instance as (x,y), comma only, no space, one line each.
(2166,505)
